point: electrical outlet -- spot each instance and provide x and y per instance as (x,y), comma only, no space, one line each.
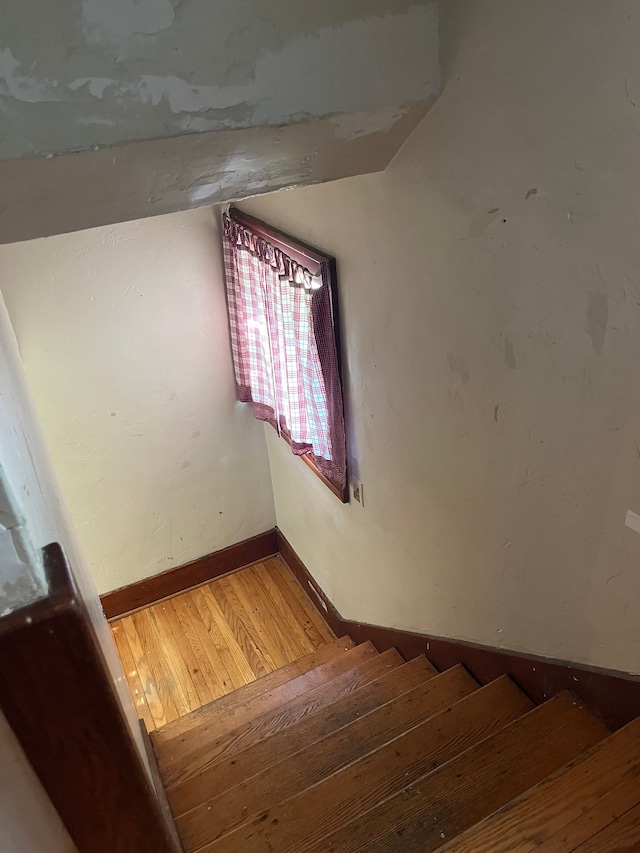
(356,488)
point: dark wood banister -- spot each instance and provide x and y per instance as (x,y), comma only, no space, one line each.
(61,702)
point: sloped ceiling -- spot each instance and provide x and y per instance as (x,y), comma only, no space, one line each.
(114,109)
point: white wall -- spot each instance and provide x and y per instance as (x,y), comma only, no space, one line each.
(28,821)
(33,515)
(125,341)
(490,287)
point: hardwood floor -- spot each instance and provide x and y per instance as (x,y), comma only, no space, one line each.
(188,650)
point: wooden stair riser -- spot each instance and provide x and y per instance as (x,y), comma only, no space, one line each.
(344,795)
(238,766)
(286,777)
(434,809)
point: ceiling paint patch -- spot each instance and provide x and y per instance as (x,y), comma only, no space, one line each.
(96,85)
(22,87)
(351,47)
(117,20)
(88,121)
(182,97)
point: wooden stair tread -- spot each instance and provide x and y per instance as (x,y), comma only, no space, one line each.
(217,722)
(620,836)
(246,694)
(240,765)
(203,746)
(609,808)
(567,808)
(430,812)
(341,797)
(286,776)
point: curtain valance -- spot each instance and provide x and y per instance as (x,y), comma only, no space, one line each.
(283,265)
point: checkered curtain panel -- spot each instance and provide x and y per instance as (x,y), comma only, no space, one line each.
(283,346)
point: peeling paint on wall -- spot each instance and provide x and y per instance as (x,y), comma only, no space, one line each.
(17,583)
(118,20)
(23,87)
(134,71)
(76,191)
(95,85)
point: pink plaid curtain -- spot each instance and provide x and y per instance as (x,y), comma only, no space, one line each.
(284,349)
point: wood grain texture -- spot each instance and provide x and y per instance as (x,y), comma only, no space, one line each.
(189,790)
(127,599)
(620,836)
(186,651)
(60,700)
(175,666)
(189,642)
(611,695)
(256,651)
(567,808)
(188,758)
(292,602)
(286,776)
(448,801)
(613,805)
(132,675)
(161,674)
(308,614)
(341,797)
(145,674)
(243,698)
(246,762)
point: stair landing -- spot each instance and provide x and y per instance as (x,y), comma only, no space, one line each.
(188,650)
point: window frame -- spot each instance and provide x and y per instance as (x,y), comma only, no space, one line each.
(312,259)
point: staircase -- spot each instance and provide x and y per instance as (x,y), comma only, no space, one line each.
(351,751)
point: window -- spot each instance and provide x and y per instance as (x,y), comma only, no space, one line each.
(283,317)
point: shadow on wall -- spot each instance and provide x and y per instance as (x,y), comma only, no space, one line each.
(453,18)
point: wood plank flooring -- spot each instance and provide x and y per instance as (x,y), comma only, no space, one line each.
(185,652)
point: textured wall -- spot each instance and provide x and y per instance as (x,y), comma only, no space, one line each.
(107,71)
(125,341)
(490,290)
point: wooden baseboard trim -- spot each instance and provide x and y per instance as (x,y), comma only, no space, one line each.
(614,696)
(61,702)
(151,590)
